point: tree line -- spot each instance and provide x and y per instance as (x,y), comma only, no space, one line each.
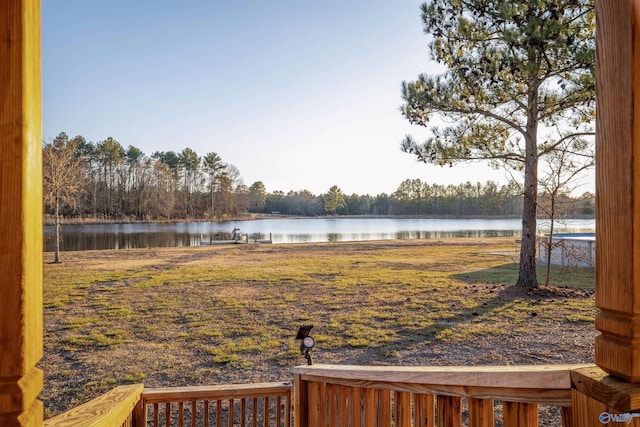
(107,181)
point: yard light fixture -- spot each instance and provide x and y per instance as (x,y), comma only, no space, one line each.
(306,342)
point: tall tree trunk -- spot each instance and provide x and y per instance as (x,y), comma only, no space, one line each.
(211,211)
(527,273)
(527,276)
(549,241)
(56,256)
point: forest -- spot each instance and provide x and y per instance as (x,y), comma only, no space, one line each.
(106,181)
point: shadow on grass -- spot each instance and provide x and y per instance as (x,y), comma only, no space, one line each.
(507,274)
(459,322)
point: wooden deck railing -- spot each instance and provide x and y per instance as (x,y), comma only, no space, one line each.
(244,405)
(113,409)
(341,396)
(330,395)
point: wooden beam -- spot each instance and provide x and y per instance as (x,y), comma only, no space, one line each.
(114,408)
(21,331)
(548,377)
(617,348)
(615,394)
(213,392)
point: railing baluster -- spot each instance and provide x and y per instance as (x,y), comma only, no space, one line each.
(243,412)
(323,420)
(481,412)
(230,413)
(449,411)
(167,414)
(342,394)
(517,414)
(353,400)
(358,407)
(313,401)
(287,410)
(218,413)
(383,404)
(181,414)
(370,407)
(403,409)
(205,415)
(266,412)
(194,413)
(255,412)
(278,409)
(424,409)
(332,405)
(155,415)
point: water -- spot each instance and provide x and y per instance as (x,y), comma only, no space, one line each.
(287,230)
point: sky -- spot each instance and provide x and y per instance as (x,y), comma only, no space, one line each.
(298,94)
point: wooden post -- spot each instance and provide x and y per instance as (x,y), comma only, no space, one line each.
(618,188)
(611,390)
(301,410)
(21,331)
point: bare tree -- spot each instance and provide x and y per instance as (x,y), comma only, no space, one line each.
(61,173)
(563,165)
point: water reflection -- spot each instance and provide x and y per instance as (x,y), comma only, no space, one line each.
(307,230)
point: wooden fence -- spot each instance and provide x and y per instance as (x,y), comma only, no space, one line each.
(243,405)
(341,396)
(376,396)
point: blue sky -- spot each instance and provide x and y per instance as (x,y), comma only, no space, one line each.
(298,94)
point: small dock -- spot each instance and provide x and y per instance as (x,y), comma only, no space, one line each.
(237,239)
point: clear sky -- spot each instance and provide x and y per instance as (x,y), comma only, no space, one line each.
(298,94)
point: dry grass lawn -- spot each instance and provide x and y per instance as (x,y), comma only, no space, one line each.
(228,314)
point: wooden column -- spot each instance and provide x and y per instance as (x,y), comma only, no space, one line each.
(618,188)
(610,392)
(20,214)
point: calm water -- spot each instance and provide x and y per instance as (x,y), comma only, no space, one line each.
(125,236)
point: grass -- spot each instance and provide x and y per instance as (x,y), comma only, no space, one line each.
(203,315)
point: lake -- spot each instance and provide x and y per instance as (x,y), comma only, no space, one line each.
(290,230)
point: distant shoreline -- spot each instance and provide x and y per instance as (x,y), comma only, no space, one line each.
(254,217)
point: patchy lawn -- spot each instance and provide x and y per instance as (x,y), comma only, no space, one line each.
(229,314)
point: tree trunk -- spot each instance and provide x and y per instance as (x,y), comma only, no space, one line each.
(527,274)
(527,277)
(56,256)
(549,241)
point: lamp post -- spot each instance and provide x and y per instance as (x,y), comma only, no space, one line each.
(306,342)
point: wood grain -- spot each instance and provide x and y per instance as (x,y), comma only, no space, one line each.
(424,407)
(223,391)
(481,412)
(610,391)
(402,406)
(109,410)
(448,411)
(21,212)
(520,414)
(524,377)
(617,349)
